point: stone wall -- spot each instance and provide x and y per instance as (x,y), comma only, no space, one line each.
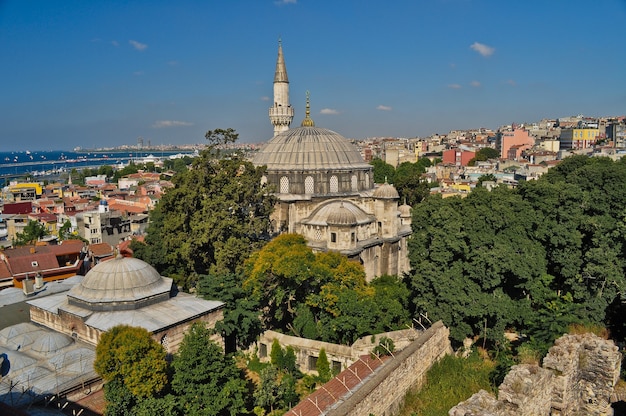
(341,356)
(577,378)
(383,393)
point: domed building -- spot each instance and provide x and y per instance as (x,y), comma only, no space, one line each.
(326,193)
(124,290)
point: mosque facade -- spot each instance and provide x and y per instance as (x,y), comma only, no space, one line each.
(326,192)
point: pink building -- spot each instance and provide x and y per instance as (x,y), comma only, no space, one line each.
(517,137)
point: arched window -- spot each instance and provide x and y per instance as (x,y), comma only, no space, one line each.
(354,182)
(284,185)
(263,180)
(165,342)
(334,184)
(309,185)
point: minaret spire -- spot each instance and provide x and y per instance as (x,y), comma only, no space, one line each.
(281,112)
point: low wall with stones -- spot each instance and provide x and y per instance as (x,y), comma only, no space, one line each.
(578,377)
(384,392)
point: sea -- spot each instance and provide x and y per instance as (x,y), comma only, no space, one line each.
(50,164)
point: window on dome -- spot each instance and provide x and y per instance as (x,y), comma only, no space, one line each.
(284,185)
(334,184)
(309,185)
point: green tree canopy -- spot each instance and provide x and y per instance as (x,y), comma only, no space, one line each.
(130,357)
(206,381)
(33,231)
(216,214)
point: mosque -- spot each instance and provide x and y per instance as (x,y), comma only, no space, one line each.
(326,191)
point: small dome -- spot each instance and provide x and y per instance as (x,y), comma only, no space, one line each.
(51,342)
(341,216)
(338,213)
(405,210)
(120,283)
(386,191)
(309,148)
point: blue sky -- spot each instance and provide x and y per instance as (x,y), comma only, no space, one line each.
(91,74)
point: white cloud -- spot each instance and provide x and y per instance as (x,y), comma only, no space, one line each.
(138,73)
(265,98)
(138,45)
(172,63)
(383,108)
(115,43)
(482,49)
(475,84)
(284,2)
(454,86)
(328,111)
(170,123)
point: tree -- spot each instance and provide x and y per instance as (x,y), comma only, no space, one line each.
(65,230)
(206,381)
(216,214)
(33,231)
(483,154)
(241,325)
(129,357)
(323,367)
(383,171)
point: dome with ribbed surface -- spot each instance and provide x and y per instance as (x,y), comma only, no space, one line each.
(120,284)
(308,149)
(341,216)
(405,210)
(338,213)
(386,191)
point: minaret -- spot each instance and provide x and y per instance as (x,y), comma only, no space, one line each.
(281,113)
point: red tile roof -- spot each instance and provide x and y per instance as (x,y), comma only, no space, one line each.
(101,249)
(345,383)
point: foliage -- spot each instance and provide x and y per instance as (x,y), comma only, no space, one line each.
(483,154)
(130,357)
(206,381)
(385,346)
(322,365)
(32,232)
(489,177)
(322,296)
(538,258)
(448,382)
(241,325)
(65,231)
(216,214)
(383,171)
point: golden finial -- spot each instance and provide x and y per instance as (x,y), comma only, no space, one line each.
(308,122)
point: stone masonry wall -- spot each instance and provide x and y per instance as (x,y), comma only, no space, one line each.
(383,393)
(577,378)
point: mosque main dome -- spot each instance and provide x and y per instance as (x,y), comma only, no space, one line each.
(122,283)
(309,148)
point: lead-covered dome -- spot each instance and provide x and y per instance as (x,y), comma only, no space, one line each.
(309,148)
(386,191)
(122,283)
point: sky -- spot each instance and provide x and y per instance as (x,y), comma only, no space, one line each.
(105,73)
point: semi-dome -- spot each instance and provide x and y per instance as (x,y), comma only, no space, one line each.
(309,148)
(338,213)
(386,191)
(120,284)
(341,216)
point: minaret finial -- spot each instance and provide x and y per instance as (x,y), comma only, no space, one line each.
(308,121)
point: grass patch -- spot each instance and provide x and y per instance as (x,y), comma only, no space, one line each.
(448,382)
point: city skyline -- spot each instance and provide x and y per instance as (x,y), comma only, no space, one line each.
(105,74)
